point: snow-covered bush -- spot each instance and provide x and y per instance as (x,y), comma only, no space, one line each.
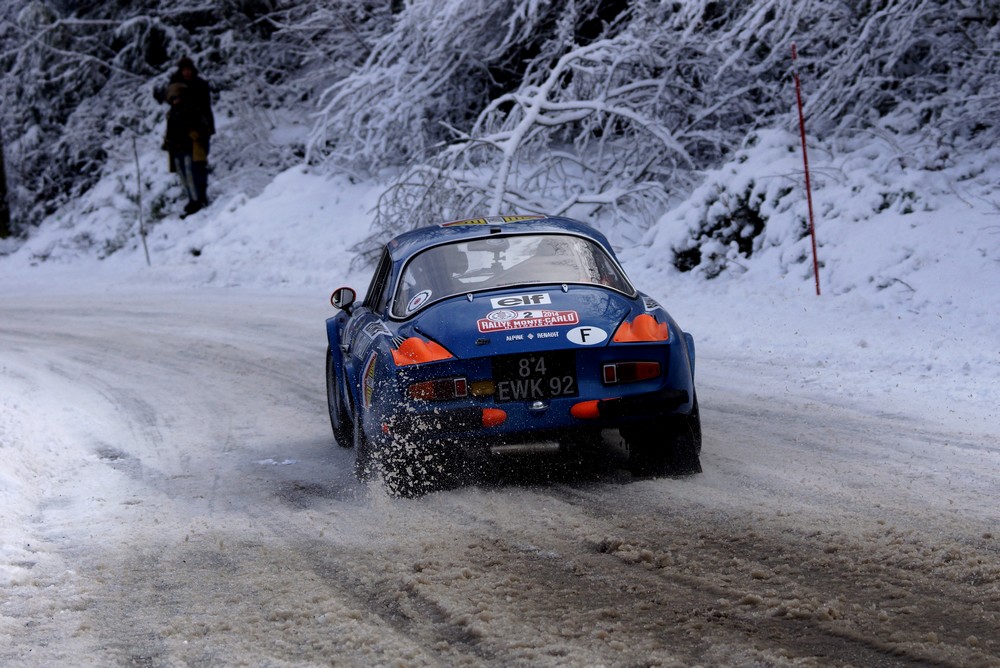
(752,210)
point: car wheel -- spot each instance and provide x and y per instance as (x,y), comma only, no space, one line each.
(339,421)
(651,455)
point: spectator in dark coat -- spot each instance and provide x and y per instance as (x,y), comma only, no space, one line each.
(190,126)
(200,94)
(186,141)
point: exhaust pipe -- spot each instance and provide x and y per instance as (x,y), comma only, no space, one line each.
(544,447)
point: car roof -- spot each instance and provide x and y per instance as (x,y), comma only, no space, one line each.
(414,241)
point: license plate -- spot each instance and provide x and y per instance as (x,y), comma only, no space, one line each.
(535,376)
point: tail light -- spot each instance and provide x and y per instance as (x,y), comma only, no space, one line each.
(642,328)
(440,389)
(415,350)
(483,388)
(629,372)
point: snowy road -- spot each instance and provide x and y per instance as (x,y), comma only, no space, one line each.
(173,498)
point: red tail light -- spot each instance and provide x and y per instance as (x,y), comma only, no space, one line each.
(440,389)
(629,372)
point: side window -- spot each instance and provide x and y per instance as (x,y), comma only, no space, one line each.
(378,292)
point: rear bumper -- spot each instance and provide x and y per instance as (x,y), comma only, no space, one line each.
(481,427)
(652,405)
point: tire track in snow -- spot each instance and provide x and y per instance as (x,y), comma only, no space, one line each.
(195,552)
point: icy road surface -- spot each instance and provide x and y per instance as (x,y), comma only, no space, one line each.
(172,497)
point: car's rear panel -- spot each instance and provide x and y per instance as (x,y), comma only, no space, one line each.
(532,366)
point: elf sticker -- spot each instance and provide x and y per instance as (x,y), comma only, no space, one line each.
(514,301)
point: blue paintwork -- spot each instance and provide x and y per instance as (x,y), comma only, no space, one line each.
(362,340)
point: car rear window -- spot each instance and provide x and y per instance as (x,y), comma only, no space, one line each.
(497,262)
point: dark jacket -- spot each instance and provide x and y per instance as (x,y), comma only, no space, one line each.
(200,98)
(187,131)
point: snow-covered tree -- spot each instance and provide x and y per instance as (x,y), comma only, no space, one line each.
(78,79)
(4,206)
(608,109)
(616,119)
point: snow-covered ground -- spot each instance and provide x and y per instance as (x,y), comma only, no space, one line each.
(171,495)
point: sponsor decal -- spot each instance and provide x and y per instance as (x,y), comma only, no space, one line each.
(361,334)
(513,301)
(502,315)
(374,329)
(508,320)
(587,336)
(418,300)
(490,220)
(349,331)
(368,381)
(366,337)
(650,303)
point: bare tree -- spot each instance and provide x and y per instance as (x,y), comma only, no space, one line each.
(565,142)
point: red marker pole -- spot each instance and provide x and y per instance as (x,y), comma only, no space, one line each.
(805,162)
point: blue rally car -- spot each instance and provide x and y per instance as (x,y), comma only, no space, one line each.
(500,336)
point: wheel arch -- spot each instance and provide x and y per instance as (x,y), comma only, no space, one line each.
(689,344)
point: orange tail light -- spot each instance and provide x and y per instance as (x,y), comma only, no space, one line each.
(643,328)
(415,350)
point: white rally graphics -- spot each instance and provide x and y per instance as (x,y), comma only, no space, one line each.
(587,336)
(507,319)
(514,301)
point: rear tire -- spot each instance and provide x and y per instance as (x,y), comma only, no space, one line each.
(652,455)
(339,420)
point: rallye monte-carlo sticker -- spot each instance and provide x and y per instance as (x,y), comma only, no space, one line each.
(509,319)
